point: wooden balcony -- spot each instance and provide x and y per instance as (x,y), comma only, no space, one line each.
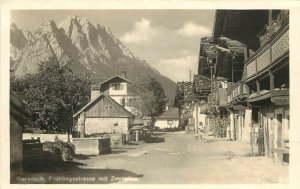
(270,54)
(238,93)
(262,95)
(280,96)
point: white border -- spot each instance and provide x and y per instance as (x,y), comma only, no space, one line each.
(294,6)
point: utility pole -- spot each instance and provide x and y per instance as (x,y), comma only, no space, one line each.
(211,79)
(197,120)
(190,72)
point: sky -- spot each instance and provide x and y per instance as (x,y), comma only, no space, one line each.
(169,40)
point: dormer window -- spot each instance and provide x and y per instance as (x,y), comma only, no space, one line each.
(117,86)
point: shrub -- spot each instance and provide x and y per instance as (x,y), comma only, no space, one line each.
(61,149)
(220,126)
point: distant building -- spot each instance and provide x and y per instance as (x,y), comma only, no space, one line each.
(169,119)
(202,85)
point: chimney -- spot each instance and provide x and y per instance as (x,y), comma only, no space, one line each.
(95,91)
(123,74)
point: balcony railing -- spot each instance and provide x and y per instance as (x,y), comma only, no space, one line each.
(238,91)
(276,47)
(265,35)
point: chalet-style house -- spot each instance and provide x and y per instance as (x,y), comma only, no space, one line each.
(169,119)
(118,88)
(110,109)
(103,115)
(251,49)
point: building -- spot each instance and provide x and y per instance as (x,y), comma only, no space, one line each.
(255,45)
(119,89)
(103,115)
(19,115)
(183,101)
(267,76)
(169,119)
(202,86)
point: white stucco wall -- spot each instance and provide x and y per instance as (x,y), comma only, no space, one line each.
(106,125)
(164,123)
(201,117)
(246,127)
(231,117)
(285,124)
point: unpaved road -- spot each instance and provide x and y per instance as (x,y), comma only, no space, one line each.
(172,158)
(182,159)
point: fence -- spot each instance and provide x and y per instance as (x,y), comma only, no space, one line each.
(47,137)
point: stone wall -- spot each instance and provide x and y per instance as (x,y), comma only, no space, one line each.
(91,146)
(47,137)
(106,125)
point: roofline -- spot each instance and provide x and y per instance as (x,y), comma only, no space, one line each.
(118,104)
(202,76)
(115,77)
(172,116)
(168,118)
(91,102)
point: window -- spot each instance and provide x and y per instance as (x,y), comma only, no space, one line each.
(117,86)
(123,102)
(170,122)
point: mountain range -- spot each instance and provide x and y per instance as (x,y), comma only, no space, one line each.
(89,48)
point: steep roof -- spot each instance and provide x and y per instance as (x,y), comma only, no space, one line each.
(200,76)
(119,109)
(219,78)
(116,76)
(172,113)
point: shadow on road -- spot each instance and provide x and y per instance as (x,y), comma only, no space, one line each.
(159,133)
(82,157)
(117,151)
(131,143)
(73,173)
(154,140)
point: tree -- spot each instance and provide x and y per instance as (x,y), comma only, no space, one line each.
(219,117)
(178,100)
(150,98)
(54,93)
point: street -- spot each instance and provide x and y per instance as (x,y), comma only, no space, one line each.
(149,96)
(182,159)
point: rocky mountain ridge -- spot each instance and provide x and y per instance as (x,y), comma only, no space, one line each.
(89,48)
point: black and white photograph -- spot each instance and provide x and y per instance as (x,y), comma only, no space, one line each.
(149,96)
